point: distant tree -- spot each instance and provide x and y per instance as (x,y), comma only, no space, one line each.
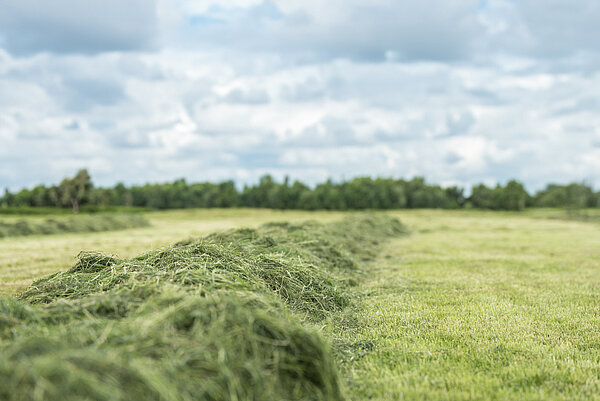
(456,196)
(390,194)
(482,197)
(294,195)
(570,196)
(358,193)
(122,195)
(73,192)
(512,197)
(7,199)
(267,194)
(40,196)
(308,200)
(328,196)
(422,195)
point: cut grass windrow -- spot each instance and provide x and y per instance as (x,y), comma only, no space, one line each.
(74,224)
(225,317)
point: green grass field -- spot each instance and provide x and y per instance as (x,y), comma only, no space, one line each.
(470,305)
(482,306)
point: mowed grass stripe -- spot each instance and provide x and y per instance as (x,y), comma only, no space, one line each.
(469,308)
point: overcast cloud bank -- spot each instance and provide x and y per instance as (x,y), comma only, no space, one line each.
(459,92)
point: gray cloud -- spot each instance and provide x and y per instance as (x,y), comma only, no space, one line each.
(307,88)
(129,140)
(250,96)
(81,94)
(72,126)
(328,132)
(544,29)
(266,159)
(562,27)
(459,124)
(71,26)
(583,104)
(407,30)
(452,158)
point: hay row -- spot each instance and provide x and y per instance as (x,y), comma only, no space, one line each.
(225,317)
(75,224)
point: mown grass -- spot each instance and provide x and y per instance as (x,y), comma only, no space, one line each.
(86,209)
(74,224)
(23,259)
(225,317)
(481,306)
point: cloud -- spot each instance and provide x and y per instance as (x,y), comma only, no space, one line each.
(542,28)
(562,27)
(250,97)
(71,26)
(459,124)
(81,94)
(308,90)
(452,158)
(407,30)
(458,92)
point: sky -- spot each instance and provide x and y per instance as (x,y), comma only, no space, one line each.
(460,92)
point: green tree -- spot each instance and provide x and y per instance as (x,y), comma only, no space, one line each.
(73,192)
(8,199)
(512,197)
(482,197)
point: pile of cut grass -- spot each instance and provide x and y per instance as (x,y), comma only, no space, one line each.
(74,224)
(85,209)
(226,317)
(589,215)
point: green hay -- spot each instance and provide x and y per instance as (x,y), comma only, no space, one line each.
(334,246)
(74,224)
(218,318)
(225,346)
(86,209)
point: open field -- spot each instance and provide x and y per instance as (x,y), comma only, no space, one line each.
(469,305)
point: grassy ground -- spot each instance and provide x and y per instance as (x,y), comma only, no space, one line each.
(482,306)
(471,305)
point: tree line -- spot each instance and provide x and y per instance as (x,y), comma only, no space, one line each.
(358,193)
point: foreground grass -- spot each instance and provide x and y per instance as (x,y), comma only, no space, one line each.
(477,305)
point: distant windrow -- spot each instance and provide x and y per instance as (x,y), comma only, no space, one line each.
(74,224)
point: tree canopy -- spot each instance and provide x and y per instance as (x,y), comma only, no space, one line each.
(358,193)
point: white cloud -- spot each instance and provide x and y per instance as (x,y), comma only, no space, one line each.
(467,93)
(414,29)
(542,28)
